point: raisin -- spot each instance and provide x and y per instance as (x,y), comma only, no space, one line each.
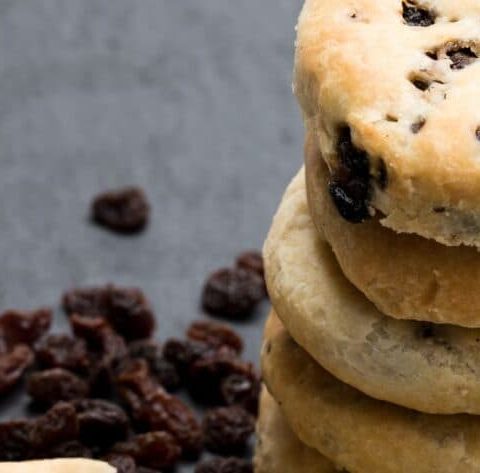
(242,390)
(183,353)
(153,449)
(232,293)
(227,429)
(224,465)
(63,351)
(90,329)
(382,174)
(25,327)
(251,261)
(72,449)
(416,16)
(418,125)
(13,366)
(215,335)
(57,426)
(15,440)
(50,386)
(100,422)
(143,469)
(122,211)
(162,370)
(461,57)
(123,463)
(127,309)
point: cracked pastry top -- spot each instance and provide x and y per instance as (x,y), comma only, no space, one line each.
(390,90)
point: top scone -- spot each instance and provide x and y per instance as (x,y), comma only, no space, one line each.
(391,90)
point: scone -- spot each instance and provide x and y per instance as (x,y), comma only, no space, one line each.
(405,276)
(278,450)
(357,432)
(390,89)
(64,465)
(431,368)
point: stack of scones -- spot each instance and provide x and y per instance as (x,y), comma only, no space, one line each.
(371,358)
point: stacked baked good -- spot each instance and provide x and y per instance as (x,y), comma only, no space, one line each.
(373,262)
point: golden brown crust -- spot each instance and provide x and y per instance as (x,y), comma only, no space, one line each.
(357,432)
(429,368)
(278,450)
(356,64)
(405,276)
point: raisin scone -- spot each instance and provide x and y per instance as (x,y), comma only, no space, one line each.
(357,432)
(278,450)
(390,89)
(67,465)
(431,368)
(405,276)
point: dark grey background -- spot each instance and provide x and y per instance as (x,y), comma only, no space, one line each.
(190,99)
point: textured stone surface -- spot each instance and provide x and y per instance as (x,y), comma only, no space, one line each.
(190,99)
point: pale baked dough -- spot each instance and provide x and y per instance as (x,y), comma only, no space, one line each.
(357,432)
(356,62)
(405,276)
(433,368)
(79,465)
(278,450)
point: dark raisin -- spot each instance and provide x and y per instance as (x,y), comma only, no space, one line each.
(144,469)
(183,353)
(100,422)
(72,449)
(50,386)
(15,440)
(461,57)
(57,426)
(90,329)
(351,208)
(63,351)
(25,327)
(162,370)
(242,390)
(439,210)
(153,449)
(215,335)
(382,174)
(224,465)
(251,261)
(232,293)
(418,125)
(90,301)
(122,211)
(13,366)
(421,84)
(123,463)
(227,429)
(416,16)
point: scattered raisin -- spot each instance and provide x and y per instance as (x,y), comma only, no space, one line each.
(224,465)
(418,125)
(215,335)
(161,369)
(57,384)
(242,390)
(122,211)
(153,449)
(232,293)
(100,422)
(251,261)
(62,351)
(227,429)
(25,327)
(183,353)
(13,366)
(15,440)
(72,449)
(461,57)
(416,16)
(123,463)
(90,301)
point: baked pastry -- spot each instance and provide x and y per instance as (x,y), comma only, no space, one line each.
(64,465)
(278,450)
(390,89)
(431,368)
(357,432)
(405,276)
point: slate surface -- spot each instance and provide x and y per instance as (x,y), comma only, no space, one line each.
(190,99)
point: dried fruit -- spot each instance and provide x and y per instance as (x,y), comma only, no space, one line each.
(153,449)
(72,449)
(50,386)
(243,390)
(13,366)
(15,441)
(227,429)
(461,57)
(162,370)
(24,327)
(122,211)
(183,353)
(123,463)
(100,422)
(416,16)
(215,335)
(251,261)
(232,293)
(63,351)
(224,465)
